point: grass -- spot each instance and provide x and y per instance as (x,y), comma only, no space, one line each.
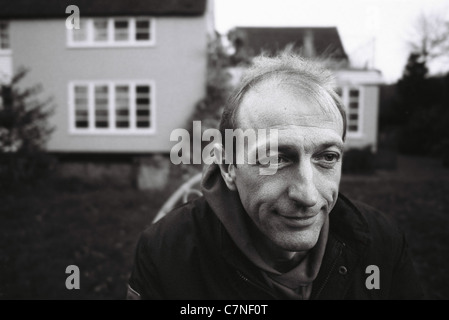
(45,228)
(416,196)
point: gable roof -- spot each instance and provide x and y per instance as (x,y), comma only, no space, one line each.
(24,9)
(321,40)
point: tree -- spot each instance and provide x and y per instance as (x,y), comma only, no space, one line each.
(421,104)
(24,130)
(218,86)
(429,39)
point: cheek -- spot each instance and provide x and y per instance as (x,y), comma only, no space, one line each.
(328,183)
(258,190)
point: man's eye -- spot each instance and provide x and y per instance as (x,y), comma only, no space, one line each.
(277,159)
(281,159)
(328,158)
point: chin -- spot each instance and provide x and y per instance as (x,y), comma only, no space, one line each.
(294,246)
(298,242)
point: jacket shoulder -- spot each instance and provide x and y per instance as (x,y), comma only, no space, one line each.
(179,228)
(388,249)
(378,221)
(360,224)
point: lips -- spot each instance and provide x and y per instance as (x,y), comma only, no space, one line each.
(299,221)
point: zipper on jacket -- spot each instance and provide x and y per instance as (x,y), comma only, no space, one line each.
(330,271)
(245,279)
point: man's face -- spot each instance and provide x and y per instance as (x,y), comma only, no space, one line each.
(289,207)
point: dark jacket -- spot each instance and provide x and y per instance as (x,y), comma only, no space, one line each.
(190,255)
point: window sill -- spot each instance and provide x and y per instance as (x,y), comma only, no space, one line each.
(110,45)
(108,132)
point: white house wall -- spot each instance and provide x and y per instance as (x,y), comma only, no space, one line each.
(176,64)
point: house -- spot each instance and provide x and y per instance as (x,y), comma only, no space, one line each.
(358,87)
(121,83)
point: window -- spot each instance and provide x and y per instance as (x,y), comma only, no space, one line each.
(4,36)
(112,107)
(81,106)
(353,110)
(351,97)
(100,30)
(143,30)
(113,32)
(121,30)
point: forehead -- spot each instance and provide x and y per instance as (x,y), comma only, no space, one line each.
(274,105)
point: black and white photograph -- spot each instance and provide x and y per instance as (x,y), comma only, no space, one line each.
(214,151)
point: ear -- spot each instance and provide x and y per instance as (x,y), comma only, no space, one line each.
(228,174)
(227,170)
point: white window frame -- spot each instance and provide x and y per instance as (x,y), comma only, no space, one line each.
(112,130)
(111,43)
(345,98)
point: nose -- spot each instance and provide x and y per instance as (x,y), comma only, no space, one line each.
(302,189)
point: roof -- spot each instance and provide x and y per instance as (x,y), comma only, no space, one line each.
(25,9)
(322,40)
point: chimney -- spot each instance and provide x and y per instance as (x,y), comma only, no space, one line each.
(308,44)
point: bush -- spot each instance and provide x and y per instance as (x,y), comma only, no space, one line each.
(359,161)
(23,133)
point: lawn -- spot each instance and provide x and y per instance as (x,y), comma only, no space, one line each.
(45,228)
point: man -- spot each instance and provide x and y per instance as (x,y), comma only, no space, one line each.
(287,234)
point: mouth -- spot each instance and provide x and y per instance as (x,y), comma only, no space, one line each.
(298,221)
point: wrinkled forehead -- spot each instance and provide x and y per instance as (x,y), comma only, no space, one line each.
(275,103)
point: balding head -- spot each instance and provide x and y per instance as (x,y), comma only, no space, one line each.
(308,81)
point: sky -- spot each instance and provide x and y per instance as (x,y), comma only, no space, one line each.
(373,31)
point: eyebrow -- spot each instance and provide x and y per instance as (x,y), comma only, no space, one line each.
(291,149)
(328,144)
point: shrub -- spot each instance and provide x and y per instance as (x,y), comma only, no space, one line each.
(359,161)
(24,131)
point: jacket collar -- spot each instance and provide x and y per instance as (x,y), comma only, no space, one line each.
(347,242)
(348,224)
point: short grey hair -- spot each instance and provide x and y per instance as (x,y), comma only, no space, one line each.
(310,76)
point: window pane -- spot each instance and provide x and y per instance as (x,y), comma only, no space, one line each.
(4,35)
(353,105)
(122,124)
(142,36)
(81,89)
(122,107)
(121,31)
(353,116)
(81,107)
(143,30)
(100,30)
(81,124)
(142,89)
(80,35)
(354,93)
(144,113)
(143,24)
(143,124)
(143,102)
(101,106)
(353,128)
